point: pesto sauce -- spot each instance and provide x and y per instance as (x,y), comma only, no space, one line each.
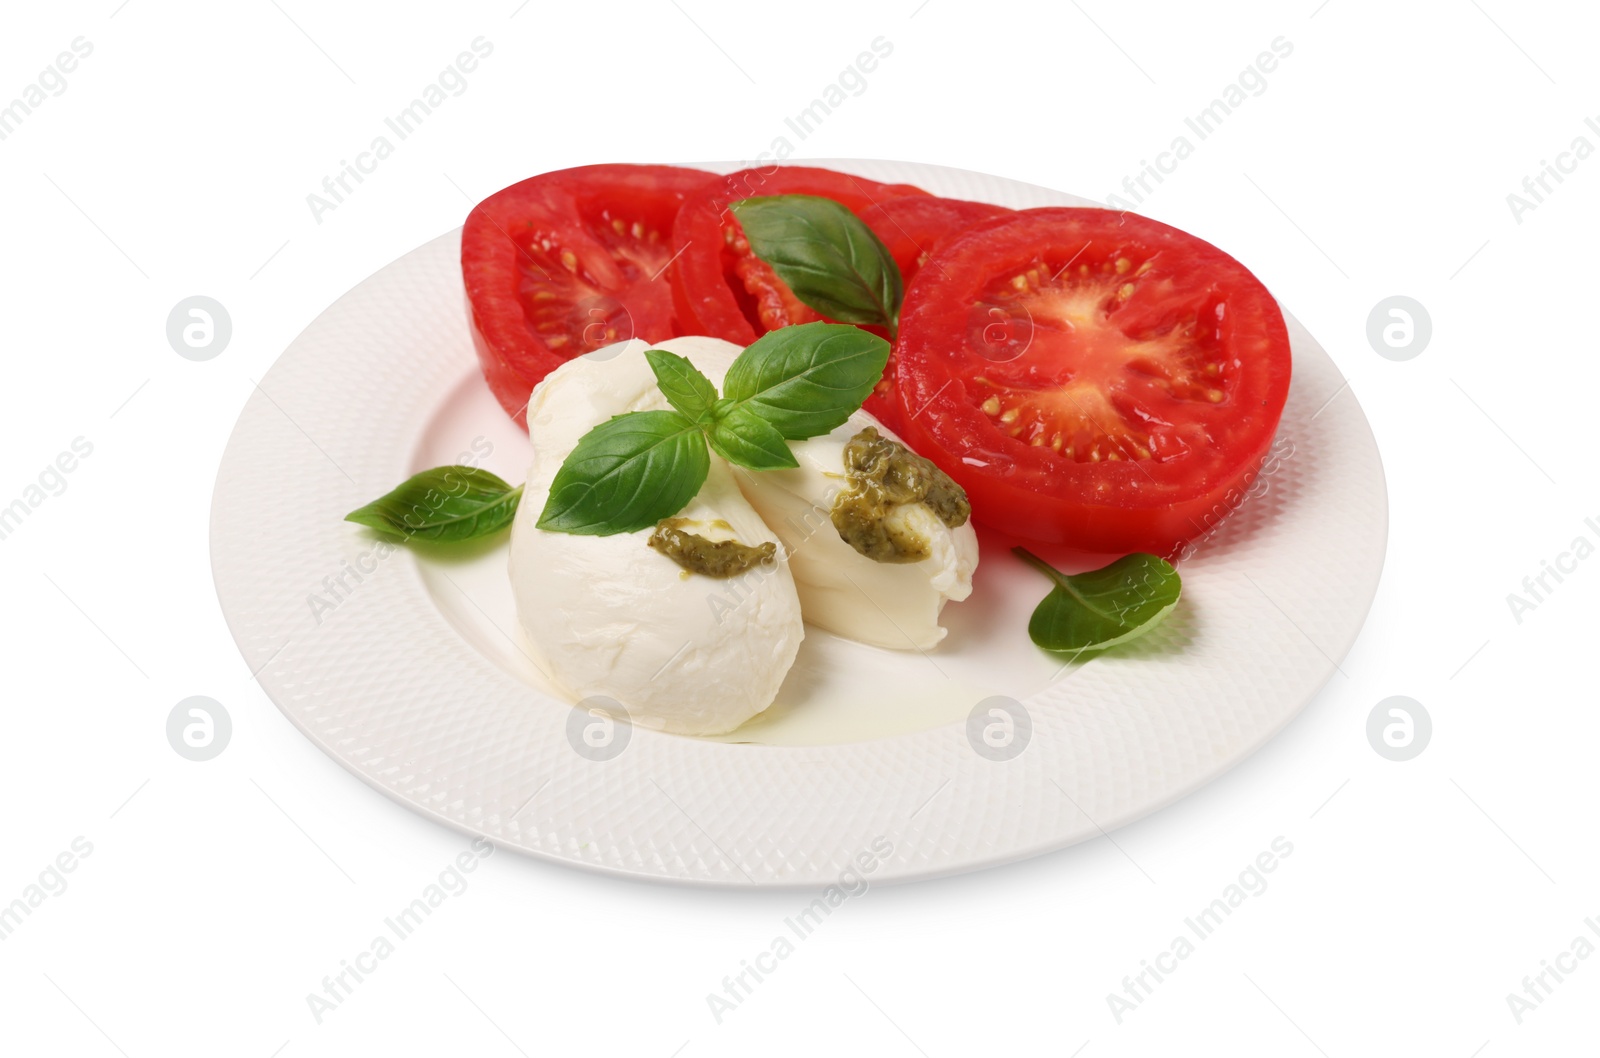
(711,558)
(884,474)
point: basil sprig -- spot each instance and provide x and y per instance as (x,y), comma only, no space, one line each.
(742,436)
(789,384)
(444,505)
(830,259)
(1103,607)
(633,470)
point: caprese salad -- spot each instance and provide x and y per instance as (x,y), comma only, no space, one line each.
(806,387)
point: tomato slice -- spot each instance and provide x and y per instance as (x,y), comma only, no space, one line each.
(563,263)
(720,288)
(916,227)
(912,229)
(1092,378)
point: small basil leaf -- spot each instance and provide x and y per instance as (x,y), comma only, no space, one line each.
(828,257)
(745,438)
(445,504)
(1104,607)
(627,474)
(807,379)
(685,388)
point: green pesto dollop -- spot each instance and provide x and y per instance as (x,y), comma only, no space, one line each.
(884,474)
(711,558)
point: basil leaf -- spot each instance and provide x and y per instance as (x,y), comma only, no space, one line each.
(444,504)
(828,257)
(1104,607)
(745,438)
(682,383)
(807,379)
(792,383)
(627,474)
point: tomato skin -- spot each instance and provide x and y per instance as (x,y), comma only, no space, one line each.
(717,285)
(1209,450)
(549,277)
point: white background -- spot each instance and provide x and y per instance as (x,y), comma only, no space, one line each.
(1377,161)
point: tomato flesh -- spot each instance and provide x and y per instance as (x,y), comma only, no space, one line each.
(1092,360)
(561,264)
(1091,378)
(916,227)
(764,299)
(720,288)
(912,229)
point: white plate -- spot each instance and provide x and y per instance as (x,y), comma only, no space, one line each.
(410,671)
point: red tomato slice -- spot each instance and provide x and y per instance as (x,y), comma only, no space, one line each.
(1092,378)
(916,227)
(723,290)
(912,229)
(561,264)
